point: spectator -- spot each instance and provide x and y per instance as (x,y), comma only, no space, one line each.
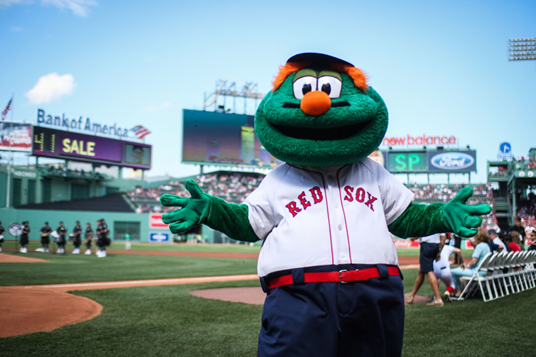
(517,227)
(513,241)
(495,239)
(532,238)
(479,242)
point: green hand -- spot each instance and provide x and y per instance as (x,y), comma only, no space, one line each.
(194,210)
(459,217)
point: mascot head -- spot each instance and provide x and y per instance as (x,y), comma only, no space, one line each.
(320,112)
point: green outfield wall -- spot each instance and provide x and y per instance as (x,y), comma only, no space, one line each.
(137,223)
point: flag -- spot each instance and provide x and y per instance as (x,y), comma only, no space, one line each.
(7,109)
(140,131)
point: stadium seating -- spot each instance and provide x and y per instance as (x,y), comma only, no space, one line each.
(231,186)
(505,274)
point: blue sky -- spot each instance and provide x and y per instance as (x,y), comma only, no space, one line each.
(441,67)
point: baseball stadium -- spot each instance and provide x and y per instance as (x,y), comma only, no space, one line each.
(297,225)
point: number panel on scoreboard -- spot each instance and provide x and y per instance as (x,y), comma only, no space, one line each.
(407,161)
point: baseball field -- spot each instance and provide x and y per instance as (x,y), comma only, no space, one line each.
(167,320)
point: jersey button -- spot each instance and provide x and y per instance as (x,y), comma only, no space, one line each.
(343,255)
(340,227)
(336,205)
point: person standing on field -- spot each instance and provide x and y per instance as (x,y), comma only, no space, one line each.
(2,230)
(62,231)
(45,237)
(77,231)
(24,239)
(431,247)
(89,238)
(102,242)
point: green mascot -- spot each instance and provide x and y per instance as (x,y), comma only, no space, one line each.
(325,216)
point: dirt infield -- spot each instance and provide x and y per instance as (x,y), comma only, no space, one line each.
(30,309)
(254,296)
(25,311)
(10,258)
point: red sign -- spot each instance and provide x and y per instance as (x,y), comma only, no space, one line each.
(406,243)
(419,140)
(155,221)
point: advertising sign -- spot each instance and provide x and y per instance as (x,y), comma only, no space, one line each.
(222,138)
(158,237)
(59,144)
(155,221)
(451,161)
(15,136)
(406,161)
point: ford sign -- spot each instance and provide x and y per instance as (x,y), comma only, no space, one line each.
(452,161)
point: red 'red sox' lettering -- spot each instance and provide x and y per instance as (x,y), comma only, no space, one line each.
(317,197)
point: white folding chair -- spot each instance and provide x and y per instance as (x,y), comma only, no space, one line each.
(475,280)
(513,272)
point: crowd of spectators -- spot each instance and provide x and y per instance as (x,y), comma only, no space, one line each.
(231,186)
(442,193)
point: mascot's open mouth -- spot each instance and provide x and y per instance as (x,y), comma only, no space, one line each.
(333,105)
(322,134)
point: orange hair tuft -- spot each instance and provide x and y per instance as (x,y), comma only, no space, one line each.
(358,76)
(285,71)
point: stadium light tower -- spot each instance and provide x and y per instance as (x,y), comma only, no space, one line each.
(522,49)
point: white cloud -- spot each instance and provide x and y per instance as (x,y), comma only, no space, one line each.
(6,3)
(78,7)
(16,29)
(51,87)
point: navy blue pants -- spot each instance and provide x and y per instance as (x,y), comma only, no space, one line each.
(334,320)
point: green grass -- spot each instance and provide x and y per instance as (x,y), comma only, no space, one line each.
(70,268)
(167,321)
(182,247)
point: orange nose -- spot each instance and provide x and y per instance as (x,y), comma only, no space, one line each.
(315,103)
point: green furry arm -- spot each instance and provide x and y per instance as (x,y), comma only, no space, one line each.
(418,221)
(230,219)
(454,216)
(200,208)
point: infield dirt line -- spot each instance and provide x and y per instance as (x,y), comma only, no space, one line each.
(148,282)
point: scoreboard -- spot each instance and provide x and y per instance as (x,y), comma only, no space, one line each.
(409,161)
(430,161)
(68,145)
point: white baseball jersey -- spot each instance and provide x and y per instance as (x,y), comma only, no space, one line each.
(444,261)
(434,238)
(314,216)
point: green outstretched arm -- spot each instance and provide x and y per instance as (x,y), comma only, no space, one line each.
(455,216)
(228,218)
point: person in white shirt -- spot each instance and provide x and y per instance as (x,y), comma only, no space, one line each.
(495,239)
(442,269)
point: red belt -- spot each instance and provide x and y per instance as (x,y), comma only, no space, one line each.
(342,276)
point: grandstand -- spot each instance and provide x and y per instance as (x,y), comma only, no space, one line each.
(228,185)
